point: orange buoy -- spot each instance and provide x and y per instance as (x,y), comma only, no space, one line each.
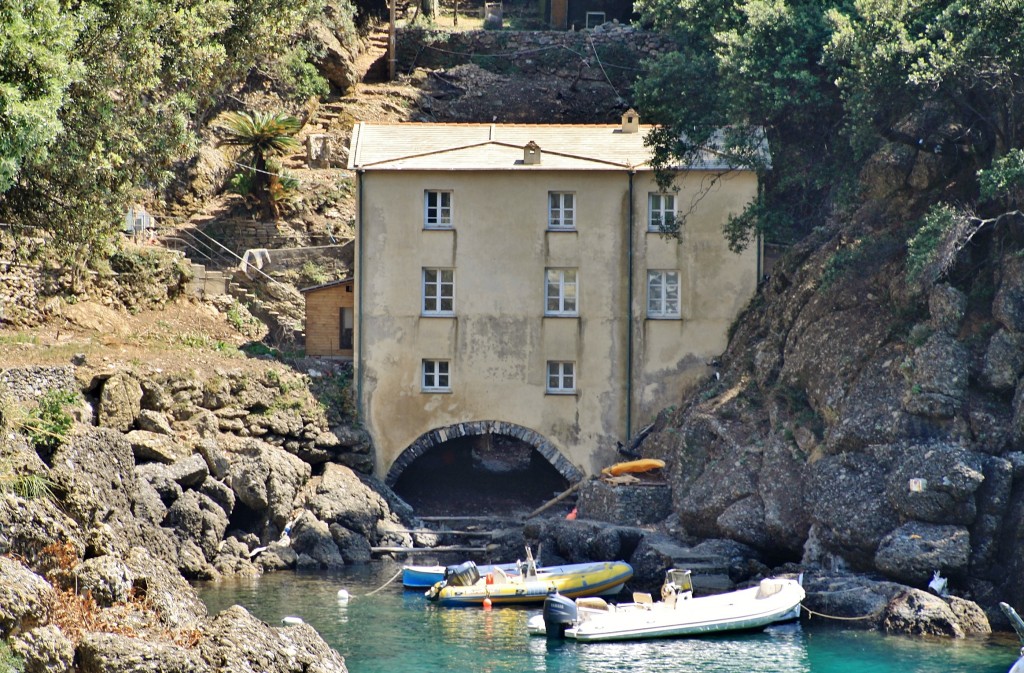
(571,516)
(487,603)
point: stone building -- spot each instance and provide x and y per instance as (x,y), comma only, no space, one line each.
(522,285)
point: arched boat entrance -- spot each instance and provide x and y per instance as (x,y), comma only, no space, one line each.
(485,467)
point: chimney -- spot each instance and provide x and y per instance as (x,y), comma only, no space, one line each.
(531,154)
(630,121)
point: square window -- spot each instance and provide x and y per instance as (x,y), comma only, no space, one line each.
(595,19)
(438,292)
(560,292)
(561,210)
(663,294)
(436,376)
(661,212)
(561,377)
(437,210)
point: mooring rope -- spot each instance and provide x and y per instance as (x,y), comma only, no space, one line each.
(386,583)
(812,613)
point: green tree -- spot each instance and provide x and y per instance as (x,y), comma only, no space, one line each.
(262,136)
(955,69)
(754,68)
(829,81)
(35,71)
(143,76)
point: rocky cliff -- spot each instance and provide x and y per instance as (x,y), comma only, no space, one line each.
(865,418)
(167,476)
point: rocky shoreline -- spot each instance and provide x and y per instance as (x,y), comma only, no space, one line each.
(169,477)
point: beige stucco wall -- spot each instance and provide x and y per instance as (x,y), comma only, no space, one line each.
(499,340)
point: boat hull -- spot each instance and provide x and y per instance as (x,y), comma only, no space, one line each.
(732,612)
(424,577)
(587,579)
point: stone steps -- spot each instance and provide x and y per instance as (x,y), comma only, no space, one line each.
(709,572)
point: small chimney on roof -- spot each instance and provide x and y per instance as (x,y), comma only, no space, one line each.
(630,121)
(531,154)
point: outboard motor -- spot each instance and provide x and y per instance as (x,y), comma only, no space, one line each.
(559,614)
(463,575)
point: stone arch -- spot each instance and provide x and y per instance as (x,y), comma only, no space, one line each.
(437,437)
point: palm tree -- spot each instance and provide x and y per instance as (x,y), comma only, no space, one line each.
(262,135)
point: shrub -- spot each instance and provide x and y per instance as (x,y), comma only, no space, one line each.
(49,423)
(1004,180)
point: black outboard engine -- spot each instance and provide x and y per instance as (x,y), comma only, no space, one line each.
(559,614)
(463,575)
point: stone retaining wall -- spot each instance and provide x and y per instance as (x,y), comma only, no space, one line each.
(31,383)
(611,51)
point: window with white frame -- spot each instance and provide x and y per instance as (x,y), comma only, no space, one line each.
(436,376)
(560,292)
(561,377)
(561,210)
(663,294)
(595,19)
(437,210)
(661,211)
(438,291)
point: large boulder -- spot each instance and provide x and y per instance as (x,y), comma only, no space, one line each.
(107,578)
(151,446)
(339,496)
(312,538)
(116,653)
(848,509)
(237,642)
(335,61)
(1008,304)
(174,599)
(25,597)
(1004,361)
(912,552)
(29,526)
(266,479)
(920,613)
(95,470)
(120,402)
(938,374)
(936,483)
(196,517)
(45,649)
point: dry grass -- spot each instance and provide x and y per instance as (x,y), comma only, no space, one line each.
(77,613)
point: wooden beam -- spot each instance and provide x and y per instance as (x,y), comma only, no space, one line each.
(432,550)
(558,498)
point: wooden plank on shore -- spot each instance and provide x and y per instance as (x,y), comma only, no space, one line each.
(469,518)
(432,550)
(456,533)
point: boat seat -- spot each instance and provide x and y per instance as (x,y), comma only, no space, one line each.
(500,576)
(642,598)
(768,588)
(593,603)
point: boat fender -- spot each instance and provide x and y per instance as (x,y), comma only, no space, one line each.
(559,614)
(291,621)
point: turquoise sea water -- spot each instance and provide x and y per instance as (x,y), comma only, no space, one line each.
(395,630)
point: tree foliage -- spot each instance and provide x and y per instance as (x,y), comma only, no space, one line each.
(828,81)
(109,94)
(262,136)
(35,72)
